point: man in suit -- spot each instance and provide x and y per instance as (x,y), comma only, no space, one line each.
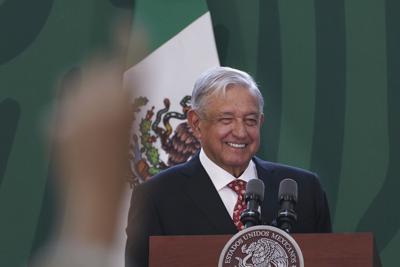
(204,195)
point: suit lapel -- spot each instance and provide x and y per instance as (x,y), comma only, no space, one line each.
(206,199)
(201,190)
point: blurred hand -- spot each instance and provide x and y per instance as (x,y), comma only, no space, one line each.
(91,145)
(89,133)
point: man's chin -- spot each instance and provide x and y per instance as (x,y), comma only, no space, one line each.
(237,164)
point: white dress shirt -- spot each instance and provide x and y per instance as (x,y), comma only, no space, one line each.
(221,178)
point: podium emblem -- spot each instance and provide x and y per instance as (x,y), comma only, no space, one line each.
(261,246)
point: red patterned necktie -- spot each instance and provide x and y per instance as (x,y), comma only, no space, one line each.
(239,187)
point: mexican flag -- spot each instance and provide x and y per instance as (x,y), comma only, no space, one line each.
(182,46)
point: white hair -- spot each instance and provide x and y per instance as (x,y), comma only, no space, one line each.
(217,80)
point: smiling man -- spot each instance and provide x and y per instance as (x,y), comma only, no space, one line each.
(228,124)
(205,195)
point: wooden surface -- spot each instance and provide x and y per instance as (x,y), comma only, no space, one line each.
(322,250)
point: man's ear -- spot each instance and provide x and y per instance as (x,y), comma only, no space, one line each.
(262,118)
(194,123)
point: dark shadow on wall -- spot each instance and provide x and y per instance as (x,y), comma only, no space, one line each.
(381,217)
(51,211)
(269,76)
(20,23)
(228,37)
(330,100)
(9,116)
(222,38)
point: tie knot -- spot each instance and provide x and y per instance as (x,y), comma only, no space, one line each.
(238,186)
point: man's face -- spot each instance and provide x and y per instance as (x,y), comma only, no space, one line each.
(229,128)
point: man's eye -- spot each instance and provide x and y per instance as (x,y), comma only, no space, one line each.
(225,120)
(251,122)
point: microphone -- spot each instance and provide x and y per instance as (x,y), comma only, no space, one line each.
(254,196)
(287,216)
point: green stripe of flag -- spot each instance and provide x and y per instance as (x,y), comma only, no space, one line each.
(164,19)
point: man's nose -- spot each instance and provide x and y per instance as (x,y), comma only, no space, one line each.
(239,129)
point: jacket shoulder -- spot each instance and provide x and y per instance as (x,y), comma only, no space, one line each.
(277,172)
(279,167)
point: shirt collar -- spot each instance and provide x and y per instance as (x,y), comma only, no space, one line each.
(220,177)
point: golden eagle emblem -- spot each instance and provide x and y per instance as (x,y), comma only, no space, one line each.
(146,144)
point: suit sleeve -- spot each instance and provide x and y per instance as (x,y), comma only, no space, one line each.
(143,222)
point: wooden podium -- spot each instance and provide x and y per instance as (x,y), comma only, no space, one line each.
(319,250)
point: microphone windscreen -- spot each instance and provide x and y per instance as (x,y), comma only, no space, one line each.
(288,188)
(255,187)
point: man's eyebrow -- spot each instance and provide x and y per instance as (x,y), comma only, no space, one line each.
(253,114)
(225,114)
(222,114)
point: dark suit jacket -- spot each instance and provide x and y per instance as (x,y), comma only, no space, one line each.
(183,201)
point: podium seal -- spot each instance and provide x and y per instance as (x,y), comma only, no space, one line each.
(261,246)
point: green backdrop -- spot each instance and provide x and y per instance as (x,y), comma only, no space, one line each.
(329,71)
